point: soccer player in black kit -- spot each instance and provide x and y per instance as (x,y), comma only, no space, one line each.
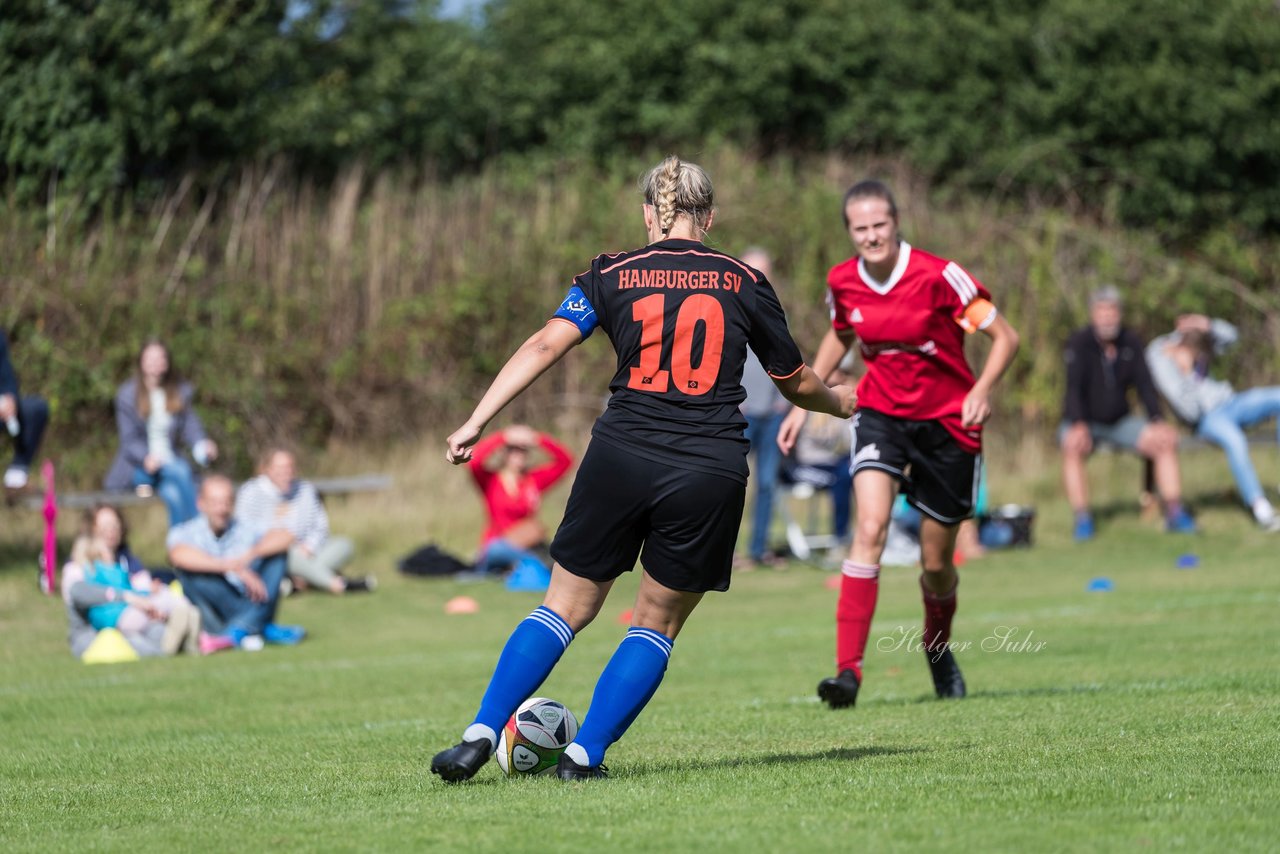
(664,478)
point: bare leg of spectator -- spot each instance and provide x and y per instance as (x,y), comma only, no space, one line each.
(1159,443)
(1075,481)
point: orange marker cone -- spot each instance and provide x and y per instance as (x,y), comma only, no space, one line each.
(461,605)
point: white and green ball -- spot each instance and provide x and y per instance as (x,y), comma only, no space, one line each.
(534,738)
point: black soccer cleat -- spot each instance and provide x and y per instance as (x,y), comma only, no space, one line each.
(840,691)
(567,769)
(462,761)
(947,681)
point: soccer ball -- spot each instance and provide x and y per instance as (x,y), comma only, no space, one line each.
(534,738)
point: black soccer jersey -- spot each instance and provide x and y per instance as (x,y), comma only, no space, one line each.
(681,316)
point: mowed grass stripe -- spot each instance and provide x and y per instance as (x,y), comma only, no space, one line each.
(1148,719)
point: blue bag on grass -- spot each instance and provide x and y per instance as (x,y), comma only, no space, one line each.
(529,575)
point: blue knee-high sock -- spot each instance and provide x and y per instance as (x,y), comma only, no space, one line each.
(627,684)
(531,652)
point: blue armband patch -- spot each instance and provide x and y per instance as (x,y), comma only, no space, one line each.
(577,309)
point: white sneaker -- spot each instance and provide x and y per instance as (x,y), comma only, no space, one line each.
(1264,513)
(15,477)
(1262,510)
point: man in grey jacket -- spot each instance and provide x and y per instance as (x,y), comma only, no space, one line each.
(1179,365)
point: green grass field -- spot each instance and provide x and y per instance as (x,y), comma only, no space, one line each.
(1146,718)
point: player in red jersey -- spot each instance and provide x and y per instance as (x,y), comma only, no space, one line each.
(918,423)
(664,479)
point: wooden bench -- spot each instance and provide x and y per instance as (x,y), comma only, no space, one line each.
(84,500)
(1185,443)
(1193,443)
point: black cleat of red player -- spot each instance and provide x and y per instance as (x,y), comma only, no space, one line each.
(947,681)
(841,691)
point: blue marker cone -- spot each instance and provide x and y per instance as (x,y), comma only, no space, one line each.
(1101,584)
(1188,561)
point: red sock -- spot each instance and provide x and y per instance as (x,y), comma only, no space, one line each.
(938,611)
(858,591)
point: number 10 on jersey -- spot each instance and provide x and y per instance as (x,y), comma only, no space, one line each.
(650,313)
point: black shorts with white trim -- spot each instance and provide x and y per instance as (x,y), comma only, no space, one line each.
(938,477)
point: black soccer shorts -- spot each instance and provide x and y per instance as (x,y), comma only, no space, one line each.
(938,477)
(681,524)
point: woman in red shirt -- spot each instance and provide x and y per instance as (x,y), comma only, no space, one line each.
(918,425)
(512,492)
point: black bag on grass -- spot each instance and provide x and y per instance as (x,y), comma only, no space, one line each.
(431,560)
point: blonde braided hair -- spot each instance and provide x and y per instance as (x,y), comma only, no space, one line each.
(675,187)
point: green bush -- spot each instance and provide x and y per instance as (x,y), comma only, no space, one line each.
(1153,113)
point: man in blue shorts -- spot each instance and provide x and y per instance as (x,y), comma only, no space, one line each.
(1104,361)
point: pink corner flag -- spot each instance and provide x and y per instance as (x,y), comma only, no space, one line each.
(50,528)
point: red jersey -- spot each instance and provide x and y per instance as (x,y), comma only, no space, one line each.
(911,332)
(507,508)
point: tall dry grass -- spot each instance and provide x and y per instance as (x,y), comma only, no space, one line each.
(376,308)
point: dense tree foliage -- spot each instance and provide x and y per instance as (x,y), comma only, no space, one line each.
(1164,114)
(100,94)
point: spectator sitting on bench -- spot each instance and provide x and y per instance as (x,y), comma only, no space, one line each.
(1180,363)
(231,570)
(278,498)
(1104,361)
(155,420)
(23,420)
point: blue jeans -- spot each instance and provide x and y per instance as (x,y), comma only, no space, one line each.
(33,415)
(175,485)
(841,496)
(1224,428)
(499,556)
(762,433)
(223,607)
